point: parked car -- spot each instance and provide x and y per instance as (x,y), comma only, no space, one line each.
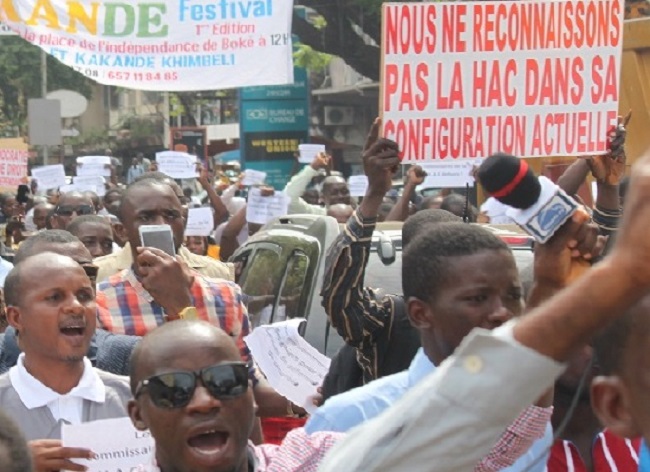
(281,270)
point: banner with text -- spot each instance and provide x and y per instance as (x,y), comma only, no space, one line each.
(464,80)
(14,154)
(178,45)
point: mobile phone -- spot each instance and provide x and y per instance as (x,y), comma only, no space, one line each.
(158,236)
(23,194)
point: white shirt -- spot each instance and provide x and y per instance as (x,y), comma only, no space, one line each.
(67,407)
(296,187)
(455,415)
(496,211)
(5,267)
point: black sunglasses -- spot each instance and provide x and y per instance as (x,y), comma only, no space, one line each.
(175,389)
(68,210)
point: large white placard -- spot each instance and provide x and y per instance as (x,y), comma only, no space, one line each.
(175,45)
(48,177)
(261,210)
(177,165)
(464,80)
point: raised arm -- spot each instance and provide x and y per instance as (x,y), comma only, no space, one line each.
(299,182)
(356,312)
(414,177)
(220,211)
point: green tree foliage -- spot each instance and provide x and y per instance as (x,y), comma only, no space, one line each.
(20,78)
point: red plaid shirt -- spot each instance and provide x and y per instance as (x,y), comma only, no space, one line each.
(125,307)
(609,454)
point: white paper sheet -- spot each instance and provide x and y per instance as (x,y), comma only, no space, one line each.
(200,222)
(94,166)
(118,445)
(77,188)
(448,175)
(176,164)
(308,152)
(93,170)
(253,177)
(261,209)
(49,177)
(91,180)
(293,367)
(358,184)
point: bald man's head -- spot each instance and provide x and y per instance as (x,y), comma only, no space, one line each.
(335,190)
(169,341)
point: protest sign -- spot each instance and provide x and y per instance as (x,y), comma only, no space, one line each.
(462,80)
(81,188)
(261,209)
(93,166)
(115,442)
(253,177)
(13,163)
(358,184)
(93,181)
(450,174)
(293,367)
(177,164)
(200,222)
(181,45)
(308,152)
(48,177)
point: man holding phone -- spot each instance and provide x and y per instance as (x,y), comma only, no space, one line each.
(158,287)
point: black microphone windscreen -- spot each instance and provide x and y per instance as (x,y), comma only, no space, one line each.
(501,177)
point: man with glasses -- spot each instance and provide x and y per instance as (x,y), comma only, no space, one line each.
(51,304)
(107,351)
(70,206)
(192,393)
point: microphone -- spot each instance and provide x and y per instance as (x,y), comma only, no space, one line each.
(538,205)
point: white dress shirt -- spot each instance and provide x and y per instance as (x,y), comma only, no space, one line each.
(67,407)
(452,418)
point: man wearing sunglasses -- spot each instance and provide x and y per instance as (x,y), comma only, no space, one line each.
(51,304)
(192,393)
(70,206)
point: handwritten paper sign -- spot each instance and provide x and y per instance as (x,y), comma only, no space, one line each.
(166,46)
(176,164)
(91,181)
(293,367)
(253,177)
(48,177)
(448,174)
(468,79)
(81,188)
(200,222)
(13,167)
(308,152)
(117,444)
(94,166)
(261,209)
(358,184)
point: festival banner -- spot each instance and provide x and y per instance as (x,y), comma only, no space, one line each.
(175,45)
(464,80)
(13,163)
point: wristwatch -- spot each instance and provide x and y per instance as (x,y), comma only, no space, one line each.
(187,313)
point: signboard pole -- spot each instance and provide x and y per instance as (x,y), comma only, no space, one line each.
(46,150)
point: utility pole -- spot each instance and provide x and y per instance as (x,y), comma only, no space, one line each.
(44,95)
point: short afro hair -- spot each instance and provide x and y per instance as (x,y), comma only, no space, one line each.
(28,247)
(75,224)
(423,219)
(425,261)
(611,344)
